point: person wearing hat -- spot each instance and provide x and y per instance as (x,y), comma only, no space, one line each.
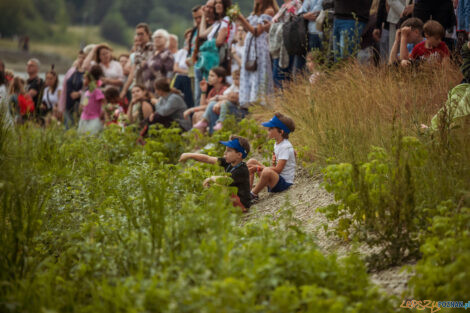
(237,149)
(280,175)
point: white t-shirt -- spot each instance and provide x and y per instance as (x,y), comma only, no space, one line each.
(285,151)
(180,58)
(225,23)
(231,89)
(113,71)
(49,98)
(3,93)
(239,51)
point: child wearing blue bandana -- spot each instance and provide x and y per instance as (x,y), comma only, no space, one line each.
(280,175)
(237,148)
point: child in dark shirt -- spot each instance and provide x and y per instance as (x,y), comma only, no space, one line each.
(237,149)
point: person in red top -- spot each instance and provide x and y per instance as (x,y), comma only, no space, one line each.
(433,48)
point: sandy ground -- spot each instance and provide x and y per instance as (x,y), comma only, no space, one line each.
(304,197)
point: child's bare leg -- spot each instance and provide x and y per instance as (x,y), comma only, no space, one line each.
(253,166)
(268,177)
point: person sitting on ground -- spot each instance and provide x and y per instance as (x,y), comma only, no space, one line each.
(433,48)
(217,81)
(50,98)
(92,101)
(113,108)
(169,108)
(407,37)
(140,107)
(312,67)
(236,150)
(217,110)
(280,175)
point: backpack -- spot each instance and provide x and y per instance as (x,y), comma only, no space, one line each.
(295,35)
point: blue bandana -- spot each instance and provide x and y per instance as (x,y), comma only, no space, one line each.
(235,144)
(275,122)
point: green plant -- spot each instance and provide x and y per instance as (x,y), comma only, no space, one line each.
(442,273)
(377,200)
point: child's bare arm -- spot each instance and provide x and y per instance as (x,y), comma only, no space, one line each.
(279,166)
(198,157)
(404,54)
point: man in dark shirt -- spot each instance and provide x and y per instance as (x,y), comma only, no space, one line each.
(34,84)
(236,150)
(351,17)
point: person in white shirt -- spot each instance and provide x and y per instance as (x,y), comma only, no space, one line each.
(50,97)
(112,70)
(280,175)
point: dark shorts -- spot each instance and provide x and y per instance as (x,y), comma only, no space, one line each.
(280,186)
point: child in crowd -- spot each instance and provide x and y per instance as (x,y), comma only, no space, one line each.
(140,107)
(312,68)
(113,108)
(21,104)
(217,110)
(237,149)
(407,37)
(280,175)
(92,101)
(50,98)
(433,48)
(216,80)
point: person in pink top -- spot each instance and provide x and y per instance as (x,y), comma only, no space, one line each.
(92,101)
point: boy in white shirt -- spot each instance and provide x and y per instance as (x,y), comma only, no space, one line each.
(280,175)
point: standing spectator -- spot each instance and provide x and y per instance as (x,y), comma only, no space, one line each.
(311,10)
(397,7)
(282,62)
(441,11)
(92,102)
(142,55)
(256,81)
(161,64)
(34,84)
(381,33)
(238,48)
(112,70)
(463,15)
(51,96)
(351,18)
(73,82)
(194,73)
(3,83)
(181,80)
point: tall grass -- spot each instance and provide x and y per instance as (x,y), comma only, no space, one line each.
(351,108)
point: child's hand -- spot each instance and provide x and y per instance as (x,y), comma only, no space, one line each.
(184,157)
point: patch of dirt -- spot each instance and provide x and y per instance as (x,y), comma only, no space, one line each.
(304,197)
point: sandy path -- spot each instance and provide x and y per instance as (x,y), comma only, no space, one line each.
(304,198)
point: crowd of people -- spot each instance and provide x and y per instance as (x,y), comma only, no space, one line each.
(230,62)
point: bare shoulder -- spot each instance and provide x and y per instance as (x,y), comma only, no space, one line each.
(270,11)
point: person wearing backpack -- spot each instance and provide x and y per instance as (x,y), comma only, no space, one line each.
(282,68)
(310,11)
(350,19)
